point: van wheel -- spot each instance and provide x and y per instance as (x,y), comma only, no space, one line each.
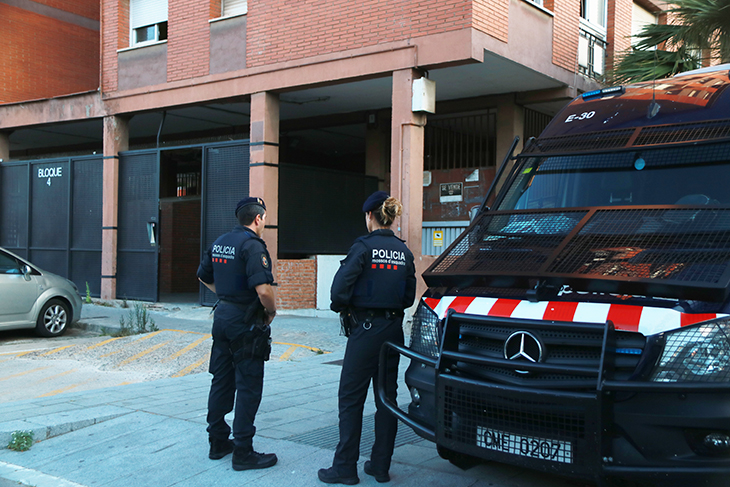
(457,459)
(53,318)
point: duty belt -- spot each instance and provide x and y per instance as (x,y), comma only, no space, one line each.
(363,313)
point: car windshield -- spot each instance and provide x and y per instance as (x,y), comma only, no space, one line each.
(689,175)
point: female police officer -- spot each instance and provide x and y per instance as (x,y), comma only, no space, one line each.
(374,283)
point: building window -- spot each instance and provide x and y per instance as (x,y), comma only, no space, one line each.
(640,18)
(148,21)
(592,41)
(234,7)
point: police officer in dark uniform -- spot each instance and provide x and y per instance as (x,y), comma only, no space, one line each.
(374,284)
(238,269)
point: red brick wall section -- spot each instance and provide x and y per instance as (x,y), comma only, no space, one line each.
(188,39)
(282,30)
(492,17)
(215,9)
(618,29)
(85,8)
(566,24)
(297,284)
(115,36)
(42,57)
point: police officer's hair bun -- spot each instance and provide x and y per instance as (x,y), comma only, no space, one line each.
(389,211)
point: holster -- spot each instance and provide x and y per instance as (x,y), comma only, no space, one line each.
(254,344)
(348,321)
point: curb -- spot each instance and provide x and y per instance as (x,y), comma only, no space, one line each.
(55,424)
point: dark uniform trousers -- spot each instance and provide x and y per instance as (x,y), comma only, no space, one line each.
(360,366)
(246,377)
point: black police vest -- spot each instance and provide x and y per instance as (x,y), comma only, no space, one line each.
(229,267)
(382,282)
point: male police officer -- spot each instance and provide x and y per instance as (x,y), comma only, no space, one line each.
(238,269)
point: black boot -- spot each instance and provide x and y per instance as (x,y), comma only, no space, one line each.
(219,448)
(244,459)
(330,476)
(380,475)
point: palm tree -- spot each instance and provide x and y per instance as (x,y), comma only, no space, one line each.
(700,31)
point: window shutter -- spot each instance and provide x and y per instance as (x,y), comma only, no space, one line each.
(147,12)
(234,7)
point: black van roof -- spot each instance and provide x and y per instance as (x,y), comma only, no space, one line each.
(695,96)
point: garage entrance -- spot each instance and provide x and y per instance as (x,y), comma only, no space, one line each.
(173,203)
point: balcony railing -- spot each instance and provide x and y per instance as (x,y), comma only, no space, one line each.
(591,54)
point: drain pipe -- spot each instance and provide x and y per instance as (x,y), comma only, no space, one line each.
(159,131)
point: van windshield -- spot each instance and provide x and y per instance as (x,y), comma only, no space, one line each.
(687,175)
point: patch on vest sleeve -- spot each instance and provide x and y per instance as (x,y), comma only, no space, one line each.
(264,261)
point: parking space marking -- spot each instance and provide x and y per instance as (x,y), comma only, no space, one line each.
(56,376)
(187,349)
(55,350)
(289,351)
(64,389)
(102,343)
(24,373)
(191,367)
(302,346)
(142,353)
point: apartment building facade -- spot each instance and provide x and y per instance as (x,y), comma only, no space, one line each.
(129,128)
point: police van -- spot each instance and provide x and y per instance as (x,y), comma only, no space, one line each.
(581,324)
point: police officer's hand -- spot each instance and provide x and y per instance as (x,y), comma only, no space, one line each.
(268,316)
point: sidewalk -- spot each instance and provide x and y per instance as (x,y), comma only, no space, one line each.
(153,434)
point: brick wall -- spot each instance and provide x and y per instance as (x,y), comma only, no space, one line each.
(44,57)
(297,284)
(618,29)
(179,245)
(85,8)
(491,17)
(115,35)
(565,33)
(281,30)
(188,39)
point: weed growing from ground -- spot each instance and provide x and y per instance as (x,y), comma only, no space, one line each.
(137,321)
(21,440)
(88,293)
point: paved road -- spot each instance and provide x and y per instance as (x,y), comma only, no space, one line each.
(84,359)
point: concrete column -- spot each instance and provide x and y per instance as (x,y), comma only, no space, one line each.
(406,163)
(116,140)
(510,122)
(4,146)
(264,164)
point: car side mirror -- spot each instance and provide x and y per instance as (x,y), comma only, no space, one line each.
(26,272)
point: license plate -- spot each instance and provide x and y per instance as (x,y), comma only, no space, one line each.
(525,446)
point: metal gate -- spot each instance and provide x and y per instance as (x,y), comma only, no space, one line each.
(225,182)
(138,221)
(51,214)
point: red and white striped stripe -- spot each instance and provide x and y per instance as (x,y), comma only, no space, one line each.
(644,319)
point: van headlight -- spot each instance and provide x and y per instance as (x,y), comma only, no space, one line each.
(698,353)
(425,331)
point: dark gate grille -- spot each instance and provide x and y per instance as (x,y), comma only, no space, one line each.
(651,251)
(225,182)
(138,206)
(86,222)
(14,208)
(50,203)
(50,213)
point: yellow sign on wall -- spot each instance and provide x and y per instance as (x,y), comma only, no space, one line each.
(438,238)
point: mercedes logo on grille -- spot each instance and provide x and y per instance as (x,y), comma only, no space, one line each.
(523,346)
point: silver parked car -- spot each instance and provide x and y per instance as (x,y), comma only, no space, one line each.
(33,298)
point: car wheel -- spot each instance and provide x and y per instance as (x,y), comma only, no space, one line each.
(53,318)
